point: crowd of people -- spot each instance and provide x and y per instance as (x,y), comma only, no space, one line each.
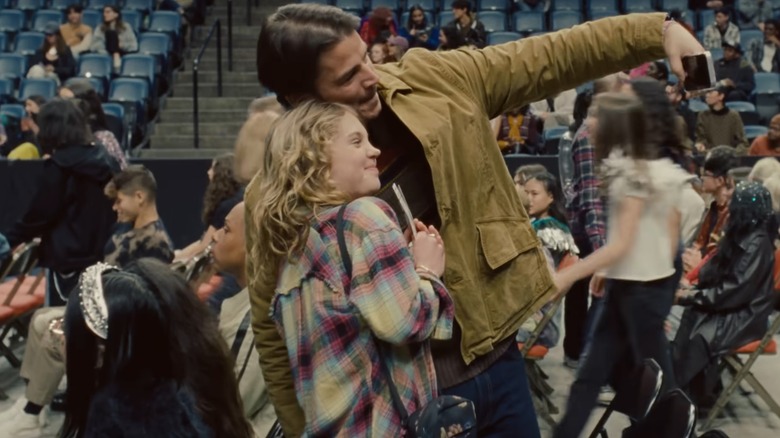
(339,313)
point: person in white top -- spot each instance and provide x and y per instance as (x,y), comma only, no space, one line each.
(637,261)
(556,110)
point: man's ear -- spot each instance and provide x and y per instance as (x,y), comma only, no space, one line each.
(139,196)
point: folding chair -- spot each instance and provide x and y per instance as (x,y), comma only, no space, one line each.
(537,378)
(672,416)
(12,305)
(741,371)
(634,401)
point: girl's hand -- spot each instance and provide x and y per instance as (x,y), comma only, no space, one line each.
(428,249)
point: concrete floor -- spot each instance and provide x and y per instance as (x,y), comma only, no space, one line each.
(746,416)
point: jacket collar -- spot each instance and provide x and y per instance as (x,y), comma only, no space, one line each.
(389,84)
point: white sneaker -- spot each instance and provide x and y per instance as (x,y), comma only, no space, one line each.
(11,412)
(23,425)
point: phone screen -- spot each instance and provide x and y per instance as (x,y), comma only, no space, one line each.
(699,72)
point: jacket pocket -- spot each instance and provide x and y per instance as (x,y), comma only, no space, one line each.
(501,240)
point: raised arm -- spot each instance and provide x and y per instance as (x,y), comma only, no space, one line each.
(510,75)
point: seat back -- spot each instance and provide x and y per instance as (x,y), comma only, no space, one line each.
(11,20)
(753,131)
(493,5)
(37,87)
(92,18)
(165,21)
(98,5)
(502,37)
(564,19)
(445,17)
(603,5)
(350,5)
(29,5)
(530,21)
(154,43)
(639,6)
(12,65)
(567,5)
(639,391)
(44,17)
(13,110)
(114,109)
(494,21)
(134,19)
(393,5)
(95,82)
(128,90)
(138,5)
(767,83)
(6,87)
(706,17)
(60,5)
(138,66)
(95,65)
(28,42)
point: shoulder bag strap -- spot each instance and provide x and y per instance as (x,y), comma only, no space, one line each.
(399,406)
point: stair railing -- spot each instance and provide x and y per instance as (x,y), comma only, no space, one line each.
(230,34)
(216,27)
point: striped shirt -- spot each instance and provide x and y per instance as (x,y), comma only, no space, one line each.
(329,321)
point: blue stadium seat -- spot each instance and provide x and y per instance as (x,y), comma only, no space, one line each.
(405,19)
(767,94)
(60,5)
(493,5)
(129,90)
(394,5)
(37,87)
(6,88)
(639,6)
(145,6)
(529,21)
(747,112)
(14,110)
(98,5)
(597,15)
(494,21)
(748,35)
(564,19)
(91,18)
(697,105)
(95,65)
(753,131)
(427,5)
(3,42)
(567,5)
(28,42)
(12,66)
(502,37)
(136,65)
(11,20)
(668,5)
(602,5)
(767,83)
(44,17)
(165,21)
(97,84)
(134,18)
(706,17)
(29,5)
(155,44)
(114,109)
(445,17)
(350,5)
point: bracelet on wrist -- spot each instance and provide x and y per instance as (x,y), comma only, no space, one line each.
(422,269)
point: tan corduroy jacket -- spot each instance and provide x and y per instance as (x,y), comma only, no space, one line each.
(495,271)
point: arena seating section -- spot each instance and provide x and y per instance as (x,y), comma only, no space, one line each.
(132,94)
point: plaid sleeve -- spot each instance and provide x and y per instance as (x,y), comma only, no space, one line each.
(396,303)
(590,201)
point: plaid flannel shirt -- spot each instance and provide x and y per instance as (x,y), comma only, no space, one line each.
(329,322)
(586,209)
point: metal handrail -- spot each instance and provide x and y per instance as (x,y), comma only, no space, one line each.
(230,34)
(195,64)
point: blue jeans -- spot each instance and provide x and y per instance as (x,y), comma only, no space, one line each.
(501,398)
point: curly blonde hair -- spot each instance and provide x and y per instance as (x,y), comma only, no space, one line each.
(294,182)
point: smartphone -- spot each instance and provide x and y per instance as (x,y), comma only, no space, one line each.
(408,218)
(699,72)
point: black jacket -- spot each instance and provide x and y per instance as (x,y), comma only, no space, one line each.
(738,70)
(69,212)
(64,66)
(736,311)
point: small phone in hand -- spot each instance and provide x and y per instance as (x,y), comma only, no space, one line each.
(699,72)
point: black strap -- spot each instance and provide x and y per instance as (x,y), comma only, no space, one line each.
(240,335)
(380,345)
(551,104)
